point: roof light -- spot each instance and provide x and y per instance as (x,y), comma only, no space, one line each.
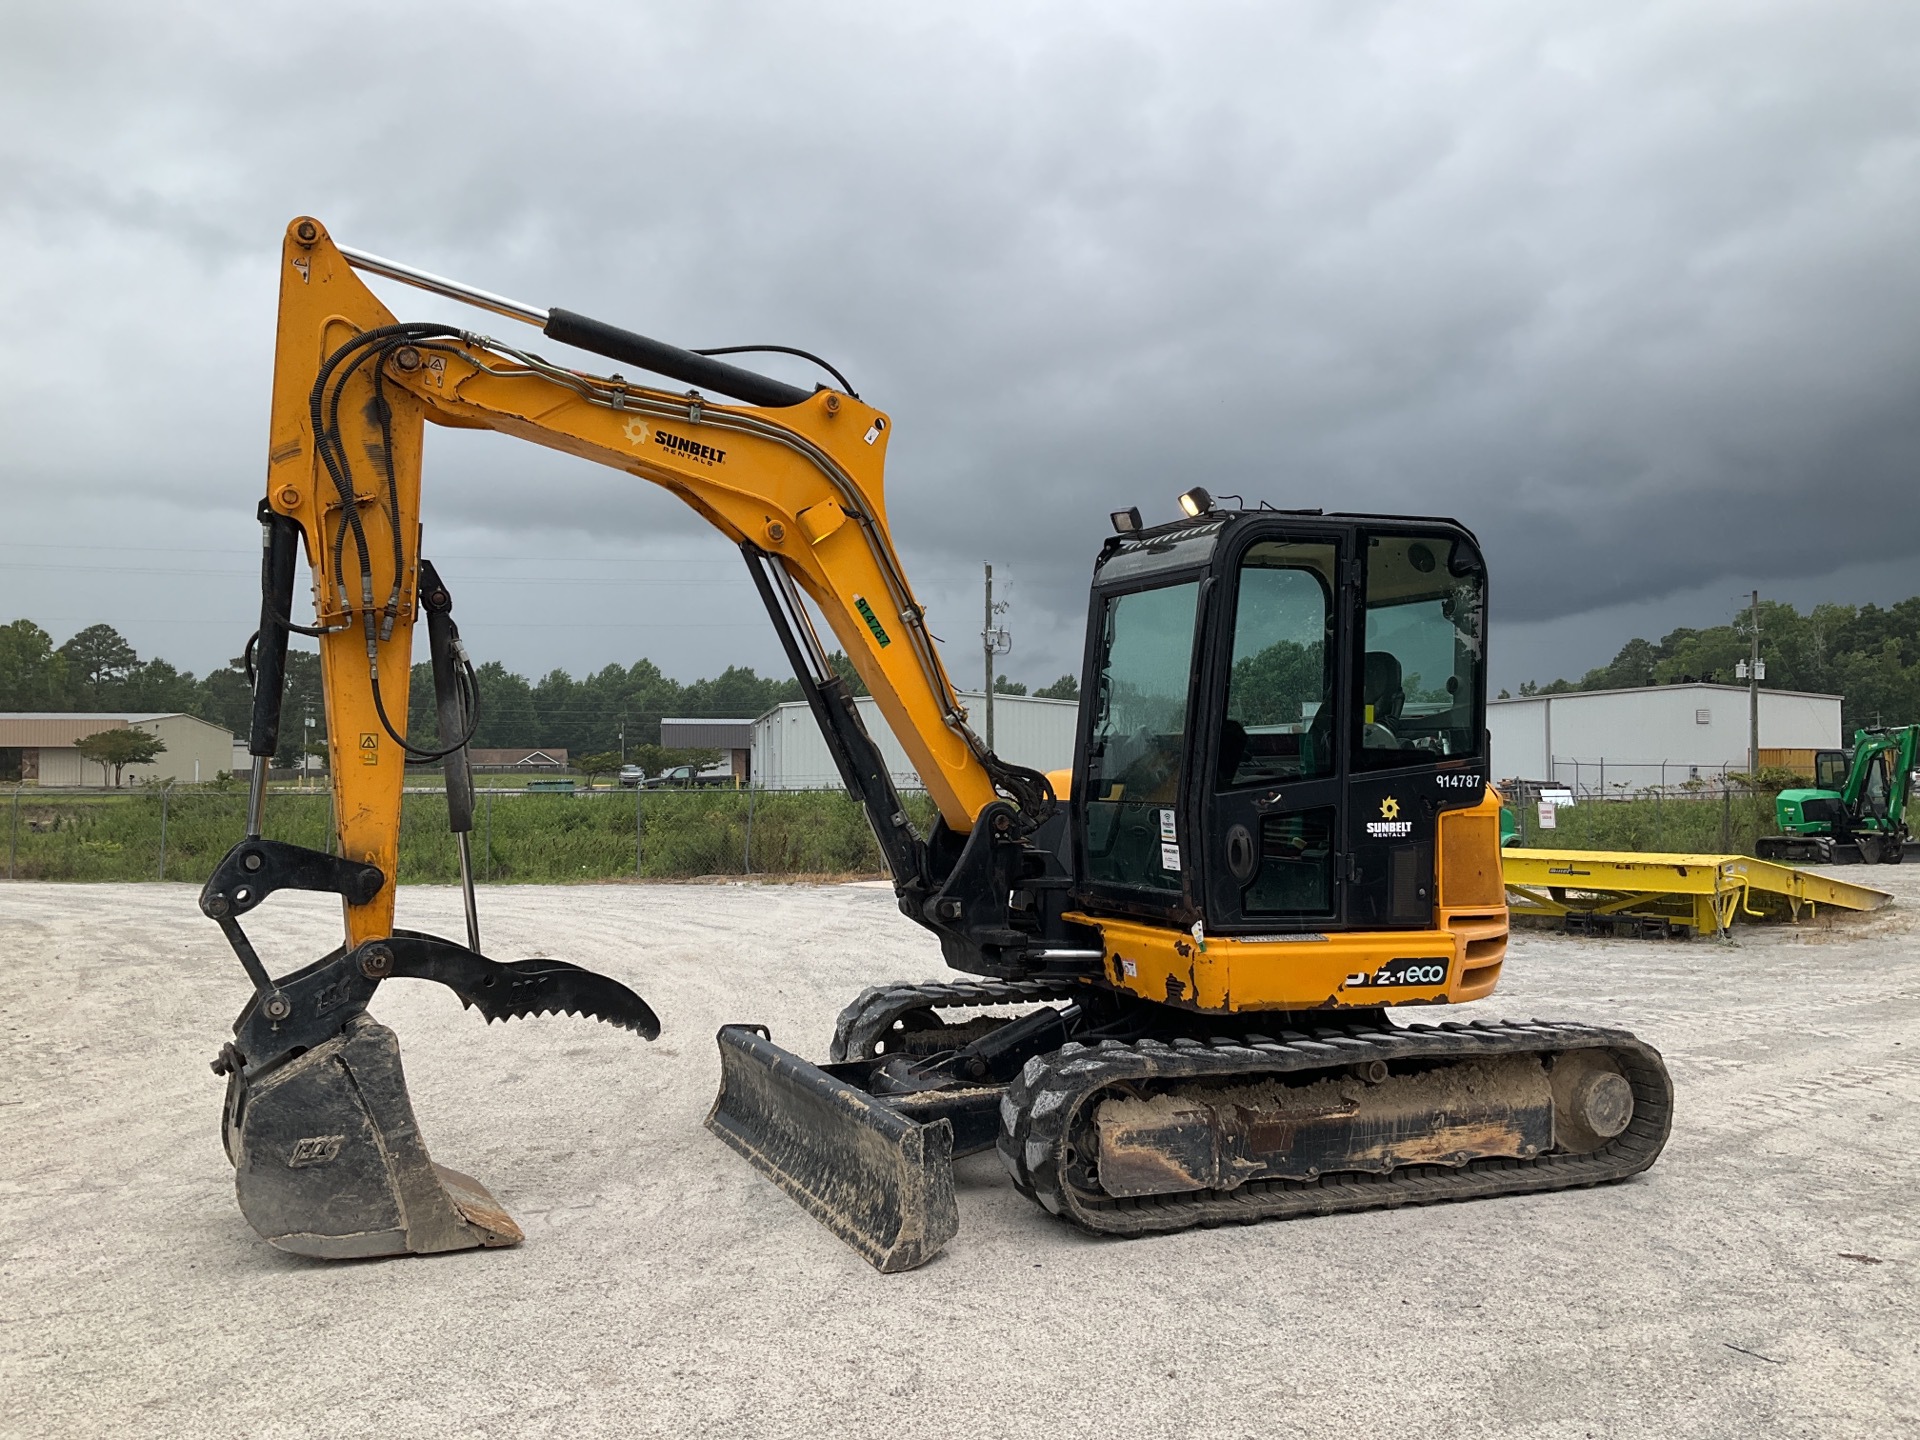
(1127,521)
(1196,502)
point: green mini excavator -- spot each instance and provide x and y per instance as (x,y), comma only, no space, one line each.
(1858,811)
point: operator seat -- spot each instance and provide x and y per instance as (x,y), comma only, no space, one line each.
(1383,698)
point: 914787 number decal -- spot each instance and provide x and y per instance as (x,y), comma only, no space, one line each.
(1458,780)
(1402,972)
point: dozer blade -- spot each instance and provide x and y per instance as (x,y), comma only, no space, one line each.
(879,1180)
(329,1162)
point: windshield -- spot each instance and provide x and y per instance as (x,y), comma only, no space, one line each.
(1138,740)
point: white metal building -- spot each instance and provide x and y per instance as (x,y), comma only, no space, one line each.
(790,754)
(1651,734)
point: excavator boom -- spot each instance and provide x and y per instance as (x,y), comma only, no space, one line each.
(794,478)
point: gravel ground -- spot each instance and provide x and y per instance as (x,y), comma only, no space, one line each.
(1760,1280)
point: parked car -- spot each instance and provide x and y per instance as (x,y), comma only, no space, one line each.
(688,777)
(632,775)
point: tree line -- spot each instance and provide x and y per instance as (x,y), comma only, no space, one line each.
(615,709)
(1866,654)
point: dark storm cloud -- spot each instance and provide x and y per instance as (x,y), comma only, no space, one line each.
(1630,288)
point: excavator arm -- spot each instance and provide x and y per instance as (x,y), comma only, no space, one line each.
(795,478)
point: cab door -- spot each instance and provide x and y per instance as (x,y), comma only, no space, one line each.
(1416,727)
(1273,809)
(1132,787)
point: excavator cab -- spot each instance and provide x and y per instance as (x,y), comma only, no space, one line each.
(1280,706)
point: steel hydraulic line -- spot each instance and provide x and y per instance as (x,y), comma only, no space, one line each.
(700,370)
(614,395)
(681,360)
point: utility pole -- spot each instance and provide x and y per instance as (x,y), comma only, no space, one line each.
(1753,688)
(986,642)
(623,742)
(994,640)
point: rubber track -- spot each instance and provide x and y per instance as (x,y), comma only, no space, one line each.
(870,1017)
(1041,1104)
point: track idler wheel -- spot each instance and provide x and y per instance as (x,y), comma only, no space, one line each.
(1592,1101)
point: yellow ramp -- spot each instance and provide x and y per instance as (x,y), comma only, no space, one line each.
(1703,892)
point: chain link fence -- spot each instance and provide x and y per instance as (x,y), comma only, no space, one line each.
(179,833)
(1724,815)
(1601,778)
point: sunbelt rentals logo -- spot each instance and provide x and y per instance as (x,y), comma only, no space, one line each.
(1389,826)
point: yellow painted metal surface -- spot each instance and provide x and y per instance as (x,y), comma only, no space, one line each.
(804,482)
(1707,892)
(1226,974)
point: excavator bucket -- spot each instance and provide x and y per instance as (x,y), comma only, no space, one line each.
(329,1162)
(879,1179)
(327,1156)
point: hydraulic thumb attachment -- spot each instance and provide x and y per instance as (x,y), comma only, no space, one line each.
(328,1157)
(317,1121)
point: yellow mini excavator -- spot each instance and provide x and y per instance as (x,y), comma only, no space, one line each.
(1276,829)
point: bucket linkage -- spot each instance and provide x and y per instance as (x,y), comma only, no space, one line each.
(327,1155)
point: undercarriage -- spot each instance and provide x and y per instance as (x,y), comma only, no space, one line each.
(1131,1119)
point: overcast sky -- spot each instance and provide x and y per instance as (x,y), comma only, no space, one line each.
(1631,289)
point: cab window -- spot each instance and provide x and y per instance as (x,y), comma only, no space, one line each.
(1875,787)
(1424,648)
(1138,741)
(1279,718)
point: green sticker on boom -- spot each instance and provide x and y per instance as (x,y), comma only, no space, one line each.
(873,620)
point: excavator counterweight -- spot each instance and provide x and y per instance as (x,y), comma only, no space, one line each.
(1179,960)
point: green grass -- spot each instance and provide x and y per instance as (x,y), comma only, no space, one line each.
(517,837)
(521,838)
(1712,825)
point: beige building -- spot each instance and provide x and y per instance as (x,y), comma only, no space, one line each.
(37,748)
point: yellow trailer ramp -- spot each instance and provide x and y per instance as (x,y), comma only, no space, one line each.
(1656,893)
